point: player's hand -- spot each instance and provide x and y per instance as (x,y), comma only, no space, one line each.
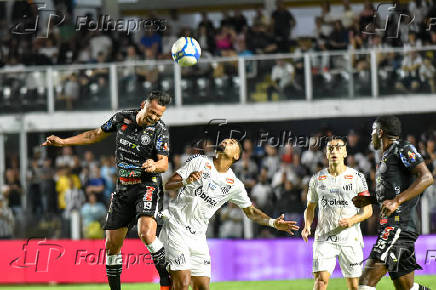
(149,166)
(360,201)
(346,223)
(194,176)
(389,206)
(287,226)
(53,141)
(305,233)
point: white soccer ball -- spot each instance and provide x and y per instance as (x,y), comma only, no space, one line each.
(186,51)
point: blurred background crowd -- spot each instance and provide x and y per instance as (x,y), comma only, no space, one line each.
(407,26)
(276,177)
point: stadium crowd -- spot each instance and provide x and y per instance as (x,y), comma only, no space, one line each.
(235,34)
(276,179)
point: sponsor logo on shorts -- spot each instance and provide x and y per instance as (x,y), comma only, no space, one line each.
(149,193)
(354,264)
(128,181)
(180,260)
(190,230)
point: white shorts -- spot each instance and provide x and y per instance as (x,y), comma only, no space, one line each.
(350,258)
(185,251)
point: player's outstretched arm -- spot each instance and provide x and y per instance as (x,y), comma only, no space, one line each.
(309,214)
(279,223)
(363,214)
(424,179)
(176,181)
(86,138)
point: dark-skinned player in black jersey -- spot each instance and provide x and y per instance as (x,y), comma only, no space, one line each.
(401,177)
(142,155)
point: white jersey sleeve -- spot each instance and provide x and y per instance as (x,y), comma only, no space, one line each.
(362,187)
(240,196)
(193,164)
(312,195)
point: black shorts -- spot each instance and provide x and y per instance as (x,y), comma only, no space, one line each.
(130,202)
(396,249)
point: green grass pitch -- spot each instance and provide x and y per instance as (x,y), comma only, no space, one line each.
(385,284)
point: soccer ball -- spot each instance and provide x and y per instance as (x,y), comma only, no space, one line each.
(186,51)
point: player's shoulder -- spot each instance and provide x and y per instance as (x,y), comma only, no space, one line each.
(196,158)
(354,172)
(125,115)
(161,126)
(320,175)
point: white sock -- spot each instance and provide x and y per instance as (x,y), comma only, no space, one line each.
(415,286)
(155,246)
(116,259)
(362,287)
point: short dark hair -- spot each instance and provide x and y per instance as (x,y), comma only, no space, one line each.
(390,125)
(162,98)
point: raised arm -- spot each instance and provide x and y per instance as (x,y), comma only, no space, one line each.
(86,138)
(262,218)
(309,214)
(176,181)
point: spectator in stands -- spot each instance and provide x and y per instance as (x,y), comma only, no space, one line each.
(206,39)
(65,180)
(93,213)
(74,198)
(71,91)
(327,19)
(246,170)
(262,192)
(6,220)
(224,40)
(289,200)
(239,21)
(339,37)
(260,19)
(427,73)
(367,21)
(12,191)
(231,222)
(312,157)
(151,41)
(49,50)
(205,21)
(271,162)
(96,185)
(107,171)
(283,22)
(100,42)
(66,158)
(409,72)
(348,15)
(283,80)
(89,160)
(47,186)
(259,40)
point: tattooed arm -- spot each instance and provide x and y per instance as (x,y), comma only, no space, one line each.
(85,138)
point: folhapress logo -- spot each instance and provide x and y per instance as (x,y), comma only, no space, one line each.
(31,24)
(38,254)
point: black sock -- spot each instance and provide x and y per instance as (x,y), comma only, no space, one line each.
(114,266)
(423,287)
(160,264)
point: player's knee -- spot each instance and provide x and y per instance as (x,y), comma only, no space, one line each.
(112,247)
(146,234)
(182,282)
(320,283)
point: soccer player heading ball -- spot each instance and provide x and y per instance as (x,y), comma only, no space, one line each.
(397,193)
(338,231)
(204,186)
(141,155)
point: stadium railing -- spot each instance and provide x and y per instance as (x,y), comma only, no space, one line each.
(346,74)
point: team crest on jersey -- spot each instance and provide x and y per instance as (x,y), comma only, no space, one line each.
(145,139)
(322,177)
(348,186)
(208,166)
(348,176)
(124,127)
(322,187)
(230,181)
(165,147)
(412,156)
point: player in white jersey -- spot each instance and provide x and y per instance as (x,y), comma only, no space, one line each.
(205,185)
(338,231)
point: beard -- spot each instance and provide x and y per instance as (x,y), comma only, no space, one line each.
(220,148)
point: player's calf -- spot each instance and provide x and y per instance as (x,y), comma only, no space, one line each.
(321,280)
(181,279)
